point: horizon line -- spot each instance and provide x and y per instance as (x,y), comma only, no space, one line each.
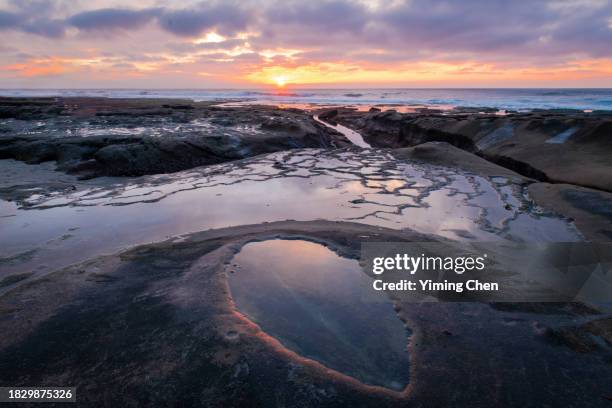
(286,88)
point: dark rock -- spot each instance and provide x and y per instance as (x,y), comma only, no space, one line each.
(577,340)
(328,114)
(581,338)
(229,134)
(515,165)
(565,146)
(178,106)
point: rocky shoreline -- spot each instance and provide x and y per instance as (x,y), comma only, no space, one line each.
(121,231)
(570,147)
(94,137)
(565,156)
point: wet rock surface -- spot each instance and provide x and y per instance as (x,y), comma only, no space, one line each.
(561,146)
(156,323)
(367,186)
(95,137)
(591,210)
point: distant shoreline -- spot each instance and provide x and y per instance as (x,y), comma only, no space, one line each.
(512,99)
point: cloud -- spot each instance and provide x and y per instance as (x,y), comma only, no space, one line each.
(112,19)
(45,28)
(43,7)
(24,19)
(400,27)
(9,20)
(225,17)
(357,33)
(332,15)
(38,68)
(495,26)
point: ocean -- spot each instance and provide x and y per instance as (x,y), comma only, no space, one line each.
(506,98)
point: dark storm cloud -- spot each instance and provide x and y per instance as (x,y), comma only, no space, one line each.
(332,15)
(38,26)
(484,23)
(226,17)
(112,19)
(536,28)
(404,27)
(393,29)
(492,26)
(9,20)
(592,32)
(45,28)
(29,16)
(30,7)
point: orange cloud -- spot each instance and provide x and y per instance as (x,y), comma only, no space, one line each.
(39,67)
(340,72)
(226,65)
(102,68)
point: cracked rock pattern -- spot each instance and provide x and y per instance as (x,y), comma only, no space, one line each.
(367,186)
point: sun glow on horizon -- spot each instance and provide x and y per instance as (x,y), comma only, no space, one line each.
(320,43)
(466,72)
(279,80)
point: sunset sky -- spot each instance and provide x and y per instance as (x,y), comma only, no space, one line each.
(306,43)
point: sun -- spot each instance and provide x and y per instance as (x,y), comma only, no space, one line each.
(280,80)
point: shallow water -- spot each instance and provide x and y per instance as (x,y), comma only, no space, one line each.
(322,307)
(350,134)
(369,186)
(67,126)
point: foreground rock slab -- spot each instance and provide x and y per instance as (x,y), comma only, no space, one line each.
(155,324)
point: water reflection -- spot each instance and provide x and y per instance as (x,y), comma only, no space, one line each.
(350,134)
(367,186)
(321,306)
(63,126)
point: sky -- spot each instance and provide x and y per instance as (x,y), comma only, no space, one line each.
(305,43)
